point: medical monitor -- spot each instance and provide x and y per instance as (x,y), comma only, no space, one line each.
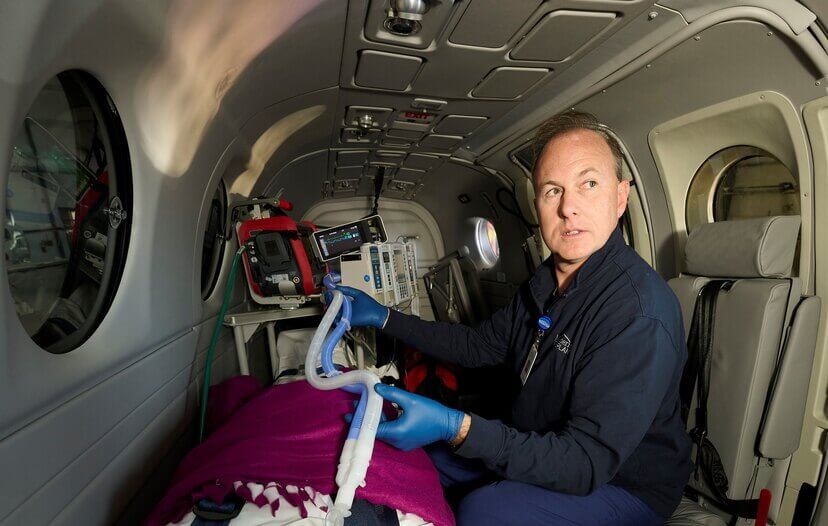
(330,243)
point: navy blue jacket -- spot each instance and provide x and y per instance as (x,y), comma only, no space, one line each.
(601,404)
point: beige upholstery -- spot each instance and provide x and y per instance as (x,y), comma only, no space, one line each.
(689,513)
(749,330)
(745,248)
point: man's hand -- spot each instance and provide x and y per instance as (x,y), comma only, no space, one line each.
(365,311)
(422,421)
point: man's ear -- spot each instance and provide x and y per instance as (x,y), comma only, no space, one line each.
(623,197)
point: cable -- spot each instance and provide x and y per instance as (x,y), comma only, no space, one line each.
(208,363)
(516,211)
(378,180)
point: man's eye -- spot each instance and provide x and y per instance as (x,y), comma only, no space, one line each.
(591,183)
(552,192)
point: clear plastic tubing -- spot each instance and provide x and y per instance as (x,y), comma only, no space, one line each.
(356,454)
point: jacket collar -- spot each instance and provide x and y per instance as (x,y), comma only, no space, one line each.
(544,282)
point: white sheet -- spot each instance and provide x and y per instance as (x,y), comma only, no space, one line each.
(288,515)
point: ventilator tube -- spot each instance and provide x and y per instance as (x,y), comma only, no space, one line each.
(358,449)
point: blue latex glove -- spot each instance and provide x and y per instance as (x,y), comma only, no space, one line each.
(422,421)
(366,312)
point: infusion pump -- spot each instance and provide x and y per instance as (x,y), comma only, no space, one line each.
(385,271)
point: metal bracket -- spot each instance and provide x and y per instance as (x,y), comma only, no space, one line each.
(115,212)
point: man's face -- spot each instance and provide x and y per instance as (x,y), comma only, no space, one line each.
(577,195)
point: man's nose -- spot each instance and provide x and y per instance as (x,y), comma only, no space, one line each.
(569,205)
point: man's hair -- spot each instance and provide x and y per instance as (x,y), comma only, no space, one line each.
(575,120)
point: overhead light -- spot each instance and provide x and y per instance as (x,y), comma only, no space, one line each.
(405,16)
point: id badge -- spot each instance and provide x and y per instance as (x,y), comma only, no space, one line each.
(529,363)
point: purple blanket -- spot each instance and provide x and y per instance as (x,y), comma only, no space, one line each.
(292,434)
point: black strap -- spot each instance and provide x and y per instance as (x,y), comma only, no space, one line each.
(697,375)
(699,343)
(364,513)
(209,513)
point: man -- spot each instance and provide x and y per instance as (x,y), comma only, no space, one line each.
(595,435)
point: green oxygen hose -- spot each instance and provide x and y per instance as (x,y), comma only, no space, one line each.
(208,364)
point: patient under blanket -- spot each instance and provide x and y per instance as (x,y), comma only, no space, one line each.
(292,434)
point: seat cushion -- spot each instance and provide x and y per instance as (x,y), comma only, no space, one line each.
(690,513)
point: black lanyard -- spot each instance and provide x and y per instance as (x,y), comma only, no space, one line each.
(544,323)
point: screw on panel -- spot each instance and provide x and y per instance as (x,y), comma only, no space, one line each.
(649,65)
(770,33)
(652,14)
(817,83)
(697,38)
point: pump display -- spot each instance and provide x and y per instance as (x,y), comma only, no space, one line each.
(385,271)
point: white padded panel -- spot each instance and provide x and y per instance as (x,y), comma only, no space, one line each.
(560,34)
(459,124)
(491,23)
(508,82)
(377,69)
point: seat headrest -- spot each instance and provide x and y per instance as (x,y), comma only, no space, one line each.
(745,248)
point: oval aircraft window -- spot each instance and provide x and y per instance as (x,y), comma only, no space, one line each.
(68,210)
(212,251)
(484,250)
(739,183)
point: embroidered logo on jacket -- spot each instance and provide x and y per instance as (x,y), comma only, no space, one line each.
(562,343)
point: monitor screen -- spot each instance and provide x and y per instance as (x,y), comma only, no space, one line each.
(339,240)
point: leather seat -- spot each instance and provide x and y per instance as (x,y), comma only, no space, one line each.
(763,341)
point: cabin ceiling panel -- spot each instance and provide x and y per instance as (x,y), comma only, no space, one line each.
(459,124)
(391,71)
(398,130)
(352,158)
(560,34)
(491,23)
(508,83)
(460,43)
(626,42)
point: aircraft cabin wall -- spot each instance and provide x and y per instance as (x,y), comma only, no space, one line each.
(184,83)
(242,101)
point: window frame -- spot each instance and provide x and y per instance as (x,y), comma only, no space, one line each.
(208,287)
(83,89)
